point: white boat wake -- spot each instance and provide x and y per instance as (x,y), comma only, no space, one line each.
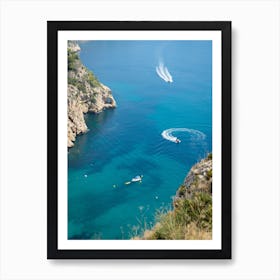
(167,134)
(168,75)
(163,73)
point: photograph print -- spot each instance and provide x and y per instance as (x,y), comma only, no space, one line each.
(140,140)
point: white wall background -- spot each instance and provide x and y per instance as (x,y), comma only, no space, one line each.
(256,142)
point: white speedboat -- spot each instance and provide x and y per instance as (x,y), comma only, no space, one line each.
(137,179)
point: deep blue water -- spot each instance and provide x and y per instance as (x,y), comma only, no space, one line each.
(126,141)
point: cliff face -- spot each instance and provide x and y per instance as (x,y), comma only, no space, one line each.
(199,179)
(85,94)
(191,216)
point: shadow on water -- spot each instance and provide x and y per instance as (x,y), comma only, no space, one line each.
(95,123)
(140,165)
(79,155)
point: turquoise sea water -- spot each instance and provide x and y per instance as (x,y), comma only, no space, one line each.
(127,141)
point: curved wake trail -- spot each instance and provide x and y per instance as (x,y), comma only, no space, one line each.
(167,134)
(163,73)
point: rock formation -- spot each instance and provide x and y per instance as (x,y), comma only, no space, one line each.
(199,179)
(85,94)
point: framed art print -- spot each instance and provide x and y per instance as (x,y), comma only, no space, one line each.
(139,140)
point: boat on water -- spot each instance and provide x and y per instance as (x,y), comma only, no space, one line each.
(177,141)
(138,178)
(163,73)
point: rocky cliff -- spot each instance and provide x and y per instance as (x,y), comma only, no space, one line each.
(199,179)
(85,94)
(191,214)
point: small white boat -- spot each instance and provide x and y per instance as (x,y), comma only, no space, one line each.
(178,140)
(137,179)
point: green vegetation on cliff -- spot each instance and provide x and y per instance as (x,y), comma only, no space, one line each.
(85,76)
(73,60)
(190,219)
(191,216)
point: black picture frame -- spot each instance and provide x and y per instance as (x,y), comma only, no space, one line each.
(53,27)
